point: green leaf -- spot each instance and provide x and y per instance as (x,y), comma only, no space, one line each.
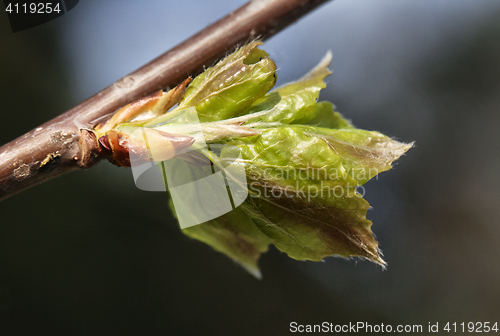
(302,182)
(295,101)
(314,229)
(302,173)
(302,201)
(226,89)
(234,233)
(331,156)
(302,160)
(322,114)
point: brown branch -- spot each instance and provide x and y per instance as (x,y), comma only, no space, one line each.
(64,144)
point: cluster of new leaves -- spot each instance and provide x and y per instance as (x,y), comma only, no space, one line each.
(303,161)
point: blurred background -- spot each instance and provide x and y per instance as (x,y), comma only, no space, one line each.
(90,254)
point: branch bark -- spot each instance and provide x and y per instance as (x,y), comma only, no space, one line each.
(66,143)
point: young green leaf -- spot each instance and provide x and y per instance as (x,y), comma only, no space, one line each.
(301,161)
(294,101)
(226,89)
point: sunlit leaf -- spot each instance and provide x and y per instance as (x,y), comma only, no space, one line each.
(303,161)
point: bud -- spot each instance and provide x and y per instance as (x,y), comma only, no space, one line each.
(145,144)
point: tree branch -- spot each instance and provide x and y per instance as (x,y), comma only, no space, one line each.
(65,143)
